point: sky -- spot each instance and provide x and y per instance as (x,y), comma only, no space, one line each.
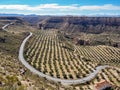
(61,7)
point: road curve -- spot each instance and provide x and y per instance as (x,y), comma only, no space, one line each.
(62,81)
(6,25)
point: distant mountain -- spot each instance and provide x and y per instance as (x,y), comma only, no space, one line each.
(32,15)
(6,15)
(82,24)
(17,15)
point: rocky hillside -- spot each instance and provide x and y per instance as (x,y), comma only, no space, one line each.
(82,24)
(14,20)
(33,20)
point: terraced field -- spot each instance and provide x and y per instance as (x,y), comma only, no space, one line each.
(48,54)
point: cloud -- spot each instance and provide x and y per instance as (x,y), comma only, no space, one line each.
(53,9)
(18,7)
(56,6)
(36,8)
(104,7)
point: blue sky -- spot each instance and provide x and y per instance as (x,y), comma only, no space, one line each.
(61,7)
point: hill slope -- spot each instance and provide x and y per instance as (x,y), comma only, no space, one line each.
(82,24)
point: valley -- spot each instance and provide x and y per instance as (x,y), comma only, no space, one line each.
(58,59)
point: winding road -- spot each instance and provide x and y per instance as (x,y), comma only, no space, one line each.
(62,81)
(5,26)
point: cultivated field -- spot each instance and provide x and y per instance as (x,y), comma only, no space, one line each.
(54,57)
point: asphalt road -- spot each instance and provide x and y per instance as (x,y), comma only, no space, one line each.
(63,81)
